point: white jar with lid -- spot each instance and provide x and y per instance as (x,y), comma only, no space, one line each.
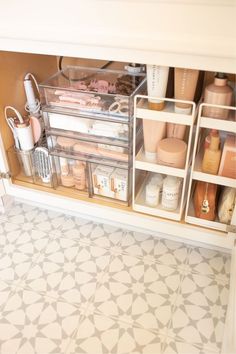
(170,194)
(152,194)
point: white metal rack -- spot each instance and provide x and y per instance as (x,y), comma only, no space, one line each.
(168,115)
(228,126)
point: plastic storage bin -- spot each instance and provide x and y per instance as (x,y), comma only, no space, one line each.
(34,166)
(72,173)
(111,182)
(92,91)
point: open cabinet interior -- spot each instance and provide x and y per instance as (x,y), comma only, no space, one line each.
(95,170)
(14,67)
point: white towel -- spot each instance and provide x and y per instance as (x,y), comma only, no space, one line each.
(229,339)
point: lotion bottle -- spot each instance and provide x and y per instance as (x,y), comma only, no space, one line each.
(218,93)
(79,175)
(154,131)
(170,194)
(185,87)
(157,79)
(212,155)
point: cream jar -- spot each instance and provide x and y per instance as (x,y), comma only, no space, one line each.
(172,152)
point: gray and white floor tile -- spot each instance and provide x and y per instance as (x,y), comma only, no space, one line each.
(71,285)
(104,335)
(31,323)
(68,270)
(142,292)
(163,251)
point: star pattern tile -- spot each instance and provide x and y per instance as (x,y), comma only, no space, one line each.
(71,285)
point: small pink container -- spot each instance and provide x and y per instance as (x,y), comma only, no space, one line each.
(172,152)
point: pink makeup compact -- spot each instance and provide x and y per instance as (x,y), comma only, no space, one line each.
(172,152)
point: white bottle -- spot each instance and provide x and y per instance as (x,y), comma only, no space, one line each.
(157,179)
(152,194)
(170,194)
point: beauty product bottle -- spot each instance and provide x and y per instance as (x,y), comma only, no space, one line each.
(228,160)
(157,179)
(79,175)
(152,194)
(218,93)
(211,158)
(153,132)
(205,200)
(64,166)
(170,195)
(213,132)
(157,78)
(185,87)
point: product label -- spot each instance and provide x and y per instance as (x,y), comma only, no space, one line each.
(170,199)
(152,200)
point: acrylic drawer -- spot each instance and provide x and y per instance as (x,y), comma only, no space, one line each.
(93,91)
(84,150)
(86,128)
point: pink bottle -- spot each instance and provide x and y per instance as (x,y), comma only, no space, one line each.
(218,93)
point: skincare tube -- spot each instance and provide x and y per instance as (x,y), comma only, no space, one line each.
(153,132)
(157,78)
(185,87)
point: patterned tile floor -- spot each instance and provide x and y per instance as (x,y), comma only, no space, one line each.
(69,285)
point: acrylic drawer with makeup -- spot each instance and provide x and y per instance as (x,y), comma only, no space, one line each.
(85,150)
(92,91)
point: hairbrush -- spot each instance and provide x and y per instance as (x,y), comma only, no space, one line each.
(42,164)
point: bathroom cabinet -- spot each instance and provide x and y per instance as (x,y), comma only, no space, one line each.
(174,33)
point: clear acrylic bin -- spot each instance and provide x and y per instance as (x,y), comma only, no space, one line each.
(34,166)
(72,174)
(92,91)
(110,182)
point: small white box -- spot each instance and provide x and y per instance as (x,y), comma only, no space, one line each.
(102,181)
(119,184)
